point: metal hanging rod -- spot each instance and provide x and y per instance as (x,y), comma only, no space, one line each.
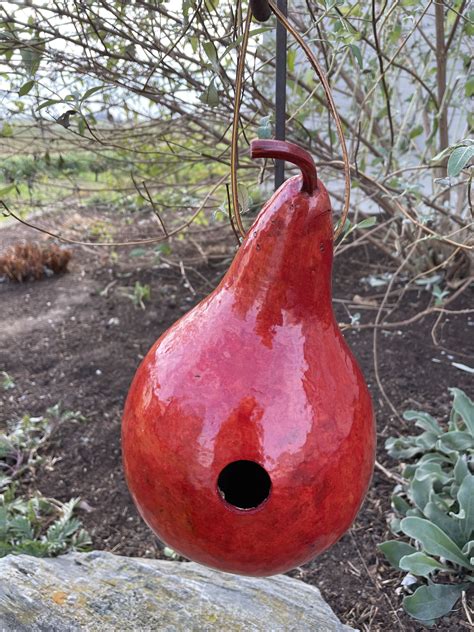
(261,11)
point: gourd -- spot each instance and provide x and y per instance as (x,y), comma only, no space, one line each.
(248,432)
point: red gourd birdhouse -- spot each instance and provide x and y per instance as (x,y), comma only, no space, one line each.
(248,432)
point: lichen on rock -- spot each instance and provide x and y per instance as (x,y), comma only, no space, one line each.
(106,592)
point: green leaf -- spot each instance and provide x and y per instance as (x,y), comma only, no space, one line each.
(211,52)
(394,551)
(433,540)
(416,131)
(420,564)
(49,102)
(469,87)
(420,491)
(357,54)
(291,59)
(238,40)
(464,407)
(439,516)
(460,157)
(431,602)
(423,420)
(400,504)
(461,469)
(433,470)
(31,55)
(194,43)
(210,96)
(427,440)
(20,527)
(26,87)
(90,92)
(466,502)
(400,448)
(456,441)
(368,222)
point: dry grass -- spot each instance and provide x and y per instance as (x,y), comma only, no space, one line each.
(26,261)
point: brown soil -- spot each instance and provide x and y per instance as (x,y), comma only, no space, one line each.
(77,339)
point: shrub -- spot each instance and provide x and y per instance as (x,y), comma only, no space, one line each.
(434,507)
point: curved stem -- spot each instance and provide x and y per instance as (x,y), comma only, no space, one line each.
(235,124)
(283,150)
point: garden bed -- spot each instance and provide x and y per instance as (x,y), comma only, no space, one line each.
(78,338)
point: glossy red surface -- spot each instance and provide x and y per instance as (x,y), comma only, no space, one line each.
(257,371)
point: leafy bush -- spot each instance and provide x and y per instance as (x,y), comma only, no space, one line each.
(37,526)
(434,507)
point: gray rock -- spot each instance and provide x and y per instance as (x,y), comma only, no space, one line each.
(105,592)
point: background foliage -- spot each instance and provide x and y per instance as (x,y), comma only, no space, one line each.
(132,102)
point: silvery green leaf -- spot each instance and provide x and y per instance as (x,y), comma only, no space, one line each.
(420,564)
(446,523)
(400,504)
(400,448)
(420,492)
(423,420)
(464,406)
(461,469)
(459,159)
(465,498)
(430,469)
(434,540)
(456,441)
(394,551)
(431,602)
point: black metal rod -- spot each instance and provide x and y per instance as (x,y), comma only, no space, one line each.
(280,91)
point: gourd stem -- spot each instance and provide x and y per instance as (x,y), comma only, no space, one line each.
(283,150)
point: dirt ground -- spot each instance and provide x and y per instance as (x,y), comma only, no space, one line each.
(77,339)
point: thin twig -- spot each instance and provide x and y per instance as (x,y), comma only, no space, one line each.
(137,242)
(155,210)
(187,282)
(388,474)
